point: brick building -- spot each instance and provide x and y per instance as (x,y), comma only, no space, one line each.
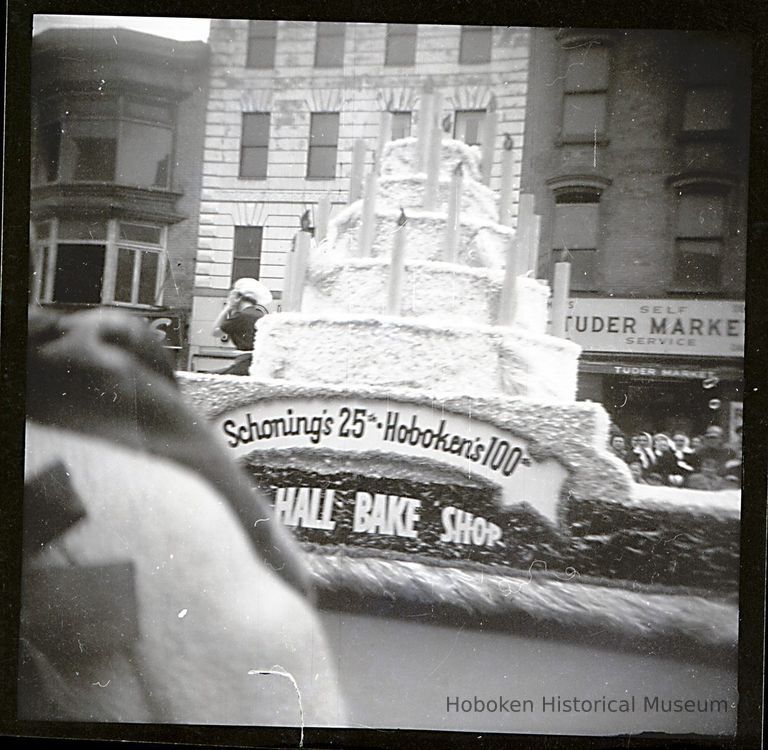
(117,143)
(287,101)
(636,152)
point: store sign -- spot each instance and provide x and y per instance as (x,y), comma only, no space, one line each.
(679,327)
(392,430)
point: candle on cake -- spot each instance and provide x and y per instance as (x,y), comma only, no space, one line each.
(395,290)
(385,135)
(358,170)
(489,140)
(424,125)
(454,212)
(300,255)
(560,292)
(524,232)
(507,297)
(433,170)
(323,214)
(368,228)
(507,173)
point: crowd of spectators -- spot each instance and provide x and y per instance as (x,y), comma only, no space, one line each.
(701,462)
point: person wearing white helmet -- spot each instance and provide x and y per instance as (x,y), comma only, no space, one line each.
(246,305)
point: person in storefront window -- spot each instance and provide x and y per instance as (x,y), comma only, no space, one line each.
(642,448)
(636,469)
(697,443)
(714,448)
(665,462)
(709,479)
(246,305)
(687,459)
(619,447)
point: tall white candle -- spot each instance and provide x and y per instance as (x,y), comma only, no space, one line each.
(433,170)
(286,298)
(507,297)
(560,293)
(524,232)
(358,170)
(489,140)
(533,245)
(395,291)
(452,227)
(385,136)
(368,226)
(303,240)
(507,173)
(323,214)
(424,125)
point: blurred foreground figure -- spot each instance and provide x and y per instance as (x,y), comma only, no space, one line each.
(155,589)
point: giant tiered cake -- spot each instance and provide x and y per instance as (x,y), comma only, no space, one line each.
(444,339)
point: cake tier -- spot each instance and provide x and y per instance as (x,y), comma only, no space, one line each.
(477,200)
(471,360)
(481,243)
(399,159)
(444,291)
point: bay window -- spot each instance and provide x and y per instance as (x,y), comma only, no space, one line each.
(116,140)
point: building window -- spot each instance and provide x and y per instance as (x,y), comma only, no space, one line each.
(401,44)
(116,140)
(585,92)
(699,239)
(401,125)
(254,146)
(262,41)
(707,109)
(475,44)
(323,145)
(99,262)
(576,236)
(329,45)
(139,264)
(246,261)
(468,126)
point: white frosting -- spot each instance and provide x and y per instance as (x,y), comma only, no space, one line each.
(427,356)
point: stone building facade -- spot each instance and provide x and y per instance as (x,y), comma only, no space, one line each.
(117,146)
(636,152)
(287,101)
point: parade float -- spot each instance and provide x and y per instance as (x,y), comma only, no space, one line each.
(411,414)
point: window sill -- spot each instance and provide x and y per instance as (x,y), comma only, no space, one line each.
(320,179)
(583,140)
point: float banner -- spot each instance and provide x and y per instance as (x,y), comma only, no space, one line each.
(704,328)
(401,431)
